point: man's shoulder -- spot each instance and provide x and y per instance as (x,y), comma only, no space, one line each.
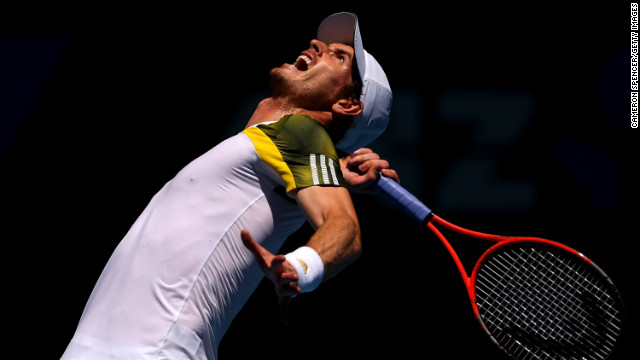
(300,132)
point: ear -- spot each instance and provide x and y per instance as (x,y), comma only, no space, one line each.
(348,107)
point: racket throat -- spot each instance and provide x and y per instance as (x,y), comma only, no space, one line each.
(454,255)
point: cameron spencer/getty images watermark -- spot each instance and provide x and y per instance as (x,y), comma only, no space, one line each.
(634,65)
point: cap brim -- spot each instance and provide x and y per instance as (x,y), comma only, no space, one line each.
(342,28)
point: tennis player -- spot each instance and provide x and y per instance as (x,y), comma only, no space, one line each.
(202,245)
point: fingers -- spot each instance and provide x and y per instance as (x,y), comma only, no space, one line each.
(390,173)
(369,163)
(363,167)
(365,161)
(265,259)
(361,157)
(278,270)
(249,243)
(288,290)
(258,251)
(275,267)
(288,281)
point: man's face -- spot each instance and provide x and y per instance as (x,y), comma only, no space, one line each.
(315,80)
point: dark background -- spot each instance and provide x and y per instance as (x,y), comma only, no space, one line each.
(510,119)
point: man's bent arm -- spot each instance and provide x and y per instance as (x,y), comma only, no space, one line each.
(337,238)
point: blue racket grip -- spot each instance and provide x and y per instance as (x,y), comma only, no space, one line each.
(403,199)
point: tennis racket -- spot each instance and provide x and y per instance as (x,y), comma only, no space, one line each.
(535,298)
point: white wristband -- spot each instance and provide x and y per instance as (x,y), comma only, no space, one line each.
(308,265)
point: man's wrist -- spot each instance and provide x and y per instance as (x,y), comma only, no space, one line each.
(308,265)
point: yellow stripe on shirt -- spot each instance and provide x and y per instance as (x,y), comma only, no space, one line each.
(270,154)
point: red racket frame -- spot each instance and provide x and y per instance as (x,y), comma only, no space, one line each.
(469,281)
(421,213)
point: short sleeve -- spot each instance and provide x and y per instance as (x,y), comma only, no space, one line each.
(299,150)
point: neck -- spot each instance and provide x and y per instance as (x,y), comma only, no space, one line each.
(272,109)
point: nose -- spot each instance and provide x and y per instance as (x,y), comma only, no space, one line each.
(318,46)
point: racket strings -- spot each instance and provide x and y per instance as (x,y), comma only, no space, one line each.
(541,304)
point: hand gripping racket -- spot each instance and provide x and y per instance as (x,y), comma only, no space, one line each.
(535,298)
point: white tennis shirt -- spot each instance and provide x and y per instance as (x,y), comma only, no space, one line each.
(180,275)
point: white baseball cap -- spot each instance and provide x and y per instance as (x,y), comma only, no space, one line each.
(376,95)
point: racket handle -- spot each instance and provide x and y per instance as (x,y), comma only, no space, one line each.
(403,199)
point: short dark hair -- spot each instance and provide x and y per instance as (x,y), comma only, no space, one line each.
(350,91)
(353,90)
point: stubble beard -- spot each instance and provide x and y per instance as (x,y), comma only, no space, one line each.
(278,82)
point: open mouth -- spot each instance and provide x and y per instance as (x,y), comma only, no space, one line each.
(302,63)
